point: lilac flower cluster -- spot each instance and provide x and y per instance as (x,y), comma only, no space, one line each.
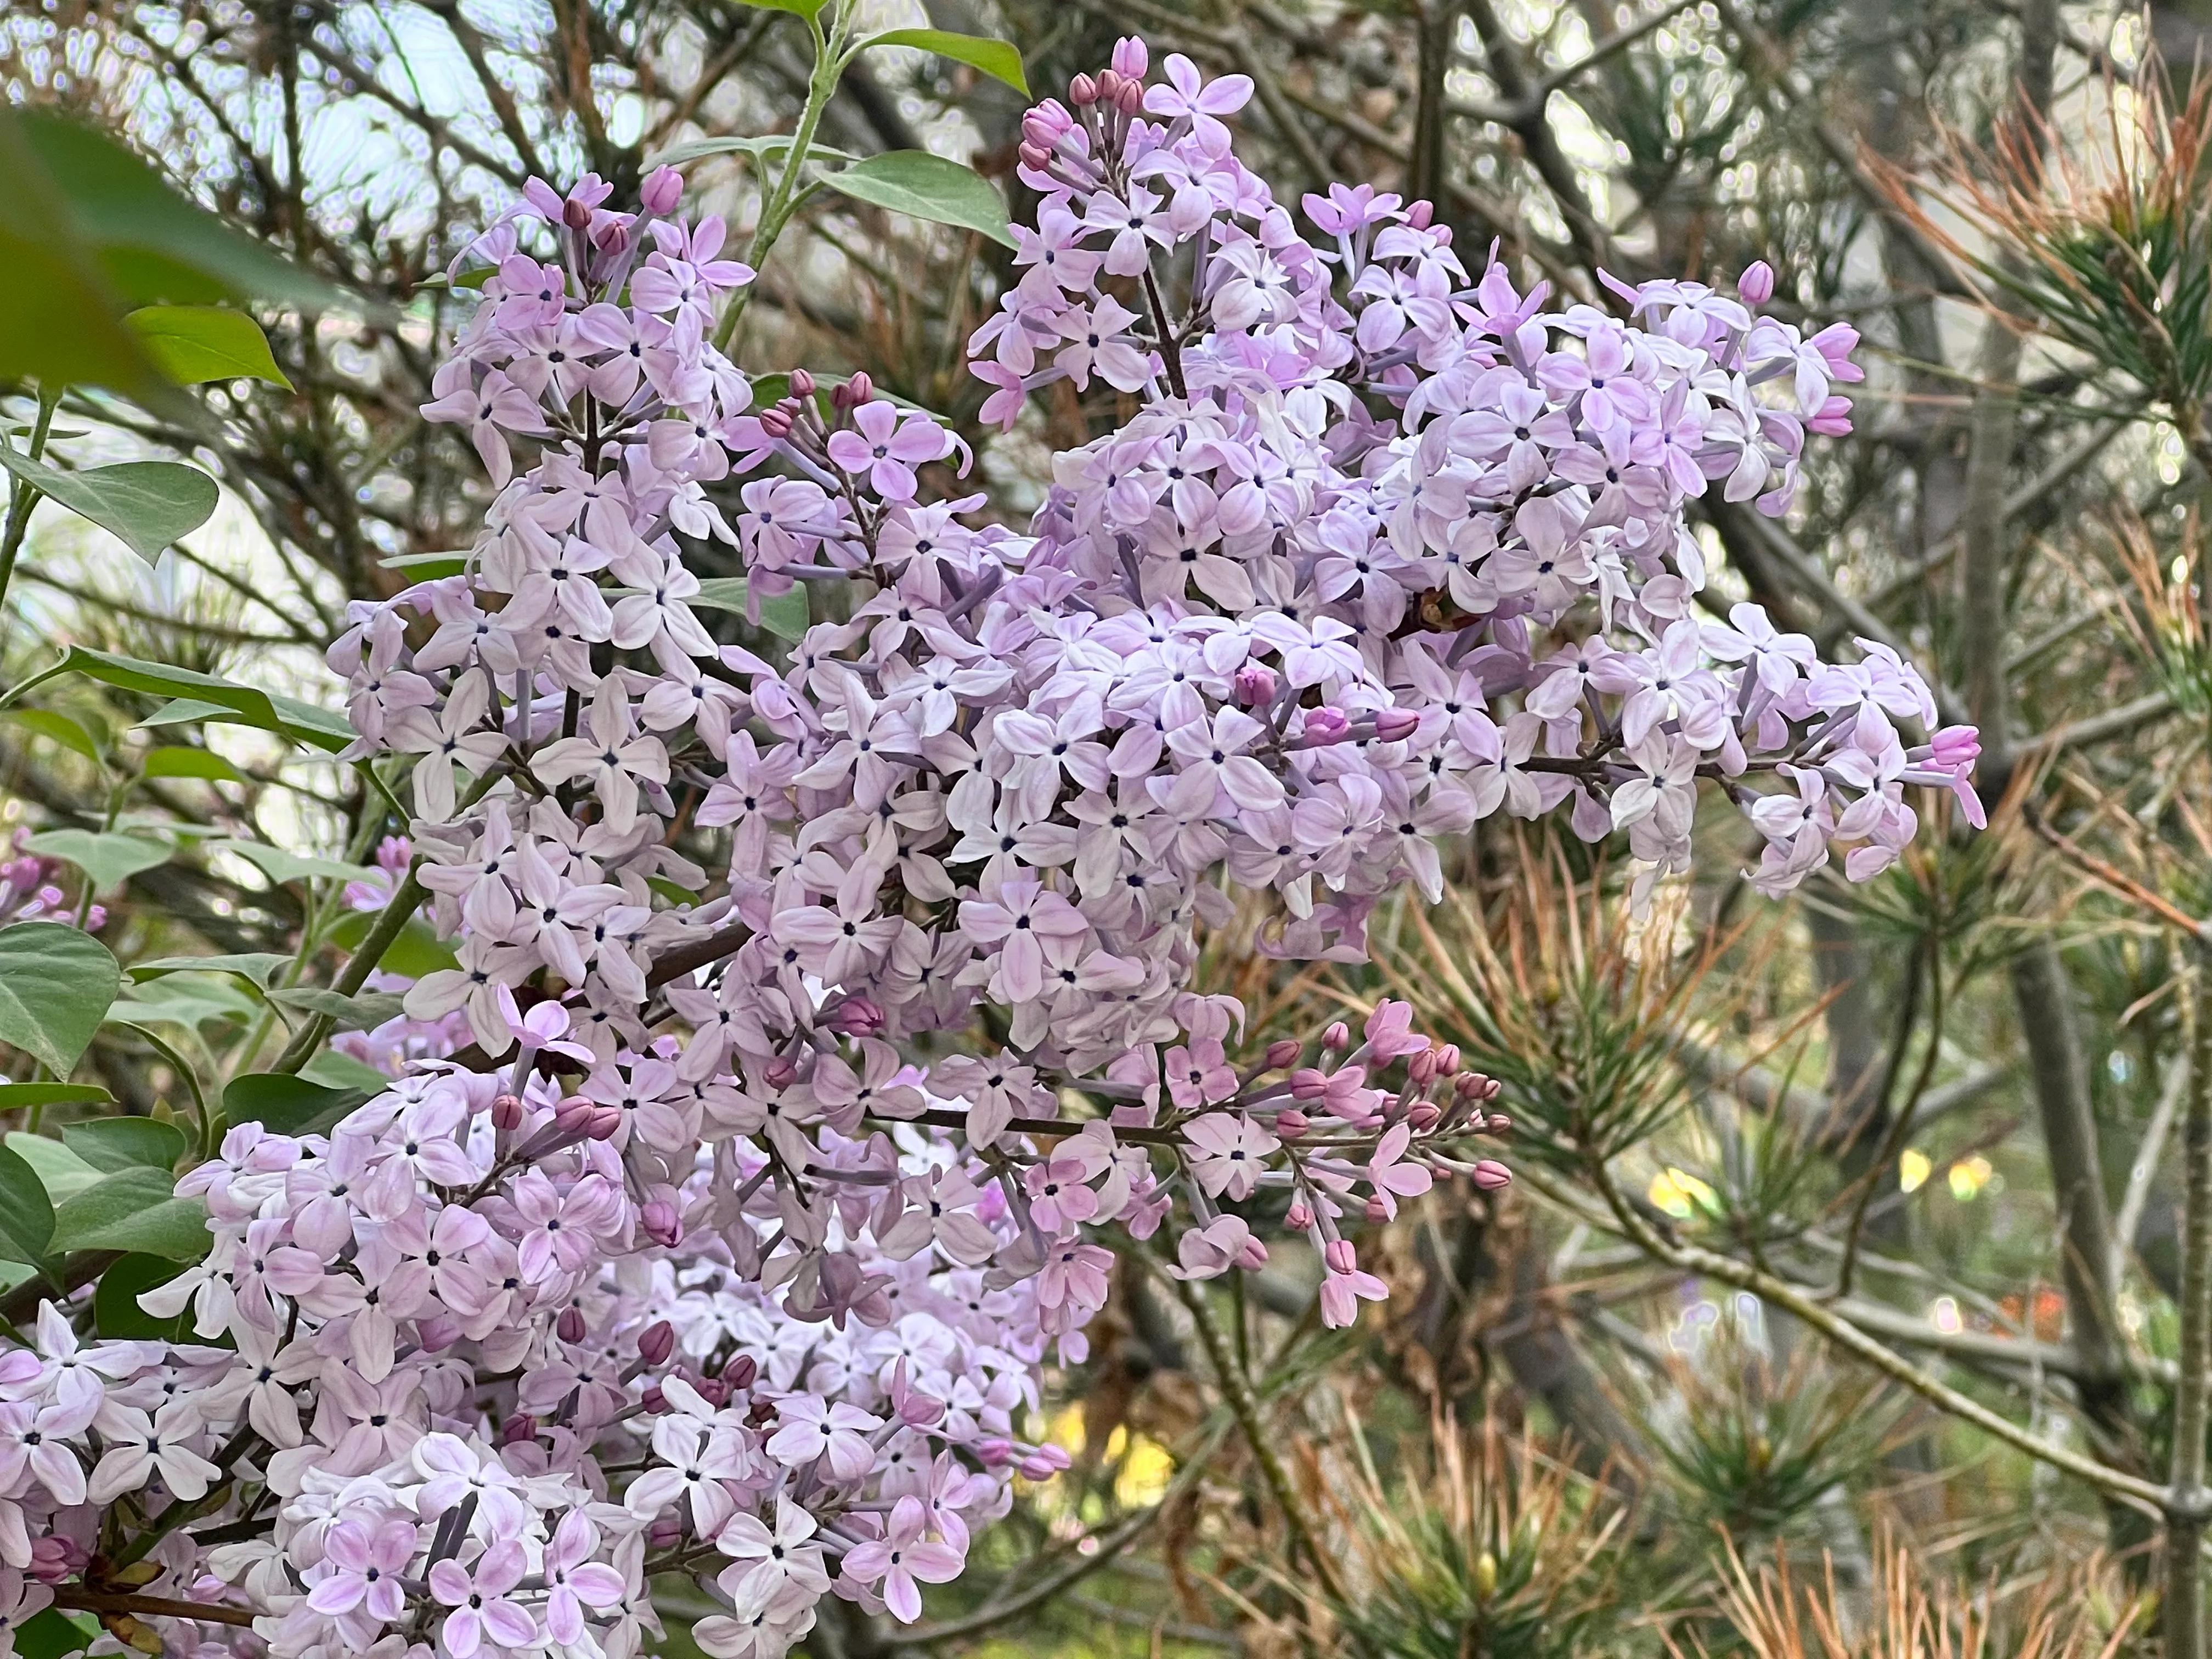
(813,1018)
(31,889)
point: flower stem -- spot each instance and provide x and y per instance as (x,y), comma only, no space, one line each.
(2189,1501)
(22,497)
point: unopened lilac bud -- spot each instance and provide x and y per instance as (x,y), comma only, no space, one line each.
(855,391)
(714,1390)
(506,1113)
(518,1429)
(1396,725)
(1447,1059)
(653,1399)
(574,1116)
(1131,57)
(1083,90)
(741,1371)
(606,1123)
(856,1016)
(1132,100)
(437,1333)
(1326,725)
(611,236)
(1281,1053)
(1253,1256)
(921,1411)
(994,1453)
(1423,1116)
(1290,1123)
(1499,1124)
(1422,1068)
(575,215)
(776,422)
(1377,1209)
(1308,1083)
(1298,1217)
(1756,286)
(802,384)
(1340,1256)
(1255,685)
(780,1072)
(1490,1174)
(1032,155)
(664,1534)
(1110,83)
(1337,1036)
(661,1223)
(656,1342)
(1421,215)
(570,1327)
(662,192)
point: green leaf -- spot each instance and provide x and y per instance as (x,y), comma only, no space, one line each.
(59,727)
(259,966)
(117,1315)
(786,616)
(153,243)
(1000,59)
(302,722)
(148,504)
(12,1095)
(180,761)
(807,9)
(334,1068)
(759,149)
(189,1002)
(417,950)
(281,867)
(192,344)
(56,984)
(27,1214)
(426,567)
(60,1171)
(52,1634)
(110,861)
(353,1013)
(134,1210)
(181,710)
(669,890)
(925,187)
(286,1105)
(113,1144)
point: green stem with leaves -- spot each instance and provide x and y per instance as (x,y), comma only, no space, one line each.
(786,194)
(22,498)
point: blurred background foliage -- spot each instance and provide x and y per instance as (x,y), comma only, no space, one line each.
(1634,1406)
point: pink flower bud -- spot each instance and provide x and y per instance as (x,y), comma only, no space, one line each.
(1035,1468)
(1255,685)
(1377,1209)
(855,391)
(740,1371)
(1955,746)
(606,1123)
(1340,1256)
(856,1016)
(1337,1036)
(1396,725)
(437,1333)
(1756,286)
(1298,1217)
(1131,57)
(574,1116)
(1253,1256)
(780,1072)
(1290,1123)
(575,215)
(714,1390)
(506,1113)
(656,1342)
(1422,1068)
(662,192)
(1281,1053)
(1308,1083)
(1490,1174)
(1083,90)
(776,422)
(1423,1116)
(661,1223)
(1447,1059)
(1131,99)
(802,384)
(1499,1124)
(55,1559)
(1033,156)
(994,1453)
(1421,215)
(664,1534)
(518,1429)
(570,1327)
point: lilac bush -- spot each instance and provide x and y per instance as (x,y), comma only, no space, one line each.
(721,1217)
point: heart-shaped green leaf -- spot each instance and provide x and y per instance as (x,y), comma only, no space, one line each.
(148,504)
(117,1315)
(925,187)
(192,344)
(135,1209)
(113,1144)
(56,984)
(286,1105)
(60,1171)
(1000,59)
(27,1214)
(110,861)
(786,616)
